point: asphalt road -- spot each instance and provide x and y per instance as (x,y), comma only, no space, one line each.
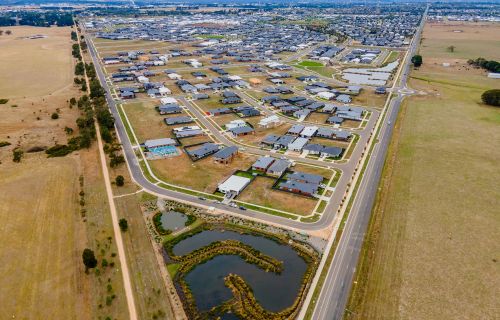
(336,288)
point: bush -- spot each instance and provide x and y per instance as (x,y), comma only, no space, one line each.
(17,154)
(491,97)
(54,116)
(89,259)
(120,181)
(4,101)
(116,160)
(4,143)
(123,223)
(59,150)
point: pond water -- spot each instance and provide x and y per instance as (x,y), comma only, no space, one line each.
(274,292)
(173,220)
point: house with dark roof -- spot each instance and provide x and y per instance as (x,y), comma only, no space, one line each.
(296,129)
(270,140)
(335,120)
(284,141)
(278,167)
(178,120)
(219,111)
(262,164)
(203,151)
(231,100)
(241,131)
(307,189)
(225,155)
(169,109)
(331,152)
(305,177)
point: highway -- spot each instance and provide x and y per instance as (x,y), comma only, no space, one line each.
(336,288)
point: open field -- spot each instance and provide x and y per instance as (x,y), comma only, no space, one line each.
(37,79)
(260,192)
(36,67)
(432,245)
(42,274)
(471,40)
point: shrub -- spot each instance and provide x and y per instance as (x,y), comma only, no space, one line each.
(4,143)
(89,259)
(120,181)
(54,116)
(123,223)
(4,101)
(17,154)
(491,97)
(59,150)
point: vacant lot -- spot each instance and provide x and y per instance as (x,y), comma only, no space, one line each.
(260,192)
(40,240)
(432,251)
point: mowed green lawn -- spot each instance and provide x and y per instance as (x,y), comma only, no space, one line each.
(433,245)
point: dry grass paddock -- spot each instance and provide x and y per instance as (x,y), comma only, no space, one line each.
(432,250)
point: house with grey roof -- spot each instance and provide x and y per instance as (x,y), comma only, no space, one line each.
(305,177)
(241,131)
(178,120)
(278,167)
(203,151)
(307,189)
(225,155)
(262,163)
(283,141)
(270,140)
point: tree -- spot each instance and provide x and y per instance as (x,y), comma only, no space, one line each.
(417,60)
(1,32)
(451,48)
(72,101)
(491,97)
(89,259)
(8,32)
(54,116)
(123,223)
(120,181)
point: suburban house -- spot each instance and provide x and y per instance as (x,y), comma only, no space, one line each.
(163,142)
(241,131)
(296,129)
(169,109)
(203,151)
(219,111)
(188,131)
(278,167)
(270,121)
(178,120)
(298,144)
(233,185)
(307,189)
(270,140)
(309,132)
(225,155)
(283,142)
(262,164)
(305,177)
(335,120)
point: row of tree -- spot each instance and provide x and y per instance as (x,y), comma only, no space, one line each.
(490,65)
(38,19)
